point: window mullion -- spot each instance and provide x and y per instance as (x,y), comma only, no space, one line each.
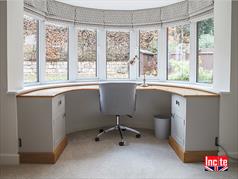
(193,53)
(101,54)
(134,50)
(162,61)
(38,52)
(42,59)
(72,61)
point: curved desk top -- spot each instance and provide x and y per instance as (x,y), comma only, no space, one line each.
(54,91)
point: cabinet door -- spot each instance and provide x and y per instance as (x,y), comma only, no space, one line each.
(179,106)
(58,130)
(178,129)
(35,124)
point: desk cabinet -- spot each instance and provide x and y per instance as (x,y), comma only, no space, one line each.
(178,129)
(41,124)
(178,118)
(194,125)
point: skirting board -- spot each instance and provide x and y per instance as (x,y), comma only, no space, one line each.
(9,159)
(190,156)
(44,157)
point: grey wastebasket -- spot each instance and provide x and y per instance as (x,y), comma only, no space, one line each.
(162,126)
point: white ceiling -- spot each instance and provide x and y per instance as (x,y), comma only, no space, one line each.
(120,4)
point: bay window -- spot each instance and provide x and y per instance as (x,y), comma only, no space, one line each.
(117,54)
(46,52)
(56,68)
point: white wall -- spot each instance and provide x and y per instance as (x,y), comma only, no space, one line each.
(11,13)
(234,75)
(226,71)
(222,23)
(82,110)
(14,44)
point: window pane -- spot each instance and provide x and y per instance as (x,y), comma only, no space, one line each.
(148,52)
(56,52)
(87,53)
(118,50)
(30,49)
(205,30)
(178,52)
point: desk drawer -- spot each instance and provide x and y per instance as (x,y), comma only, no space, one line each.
(179,106)
(58,106)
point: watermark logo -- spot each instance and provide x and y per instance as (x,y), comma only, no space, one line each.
(216,163)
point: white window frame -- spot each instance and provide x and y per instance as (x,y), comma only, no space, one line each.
(72,54)
(193,53)
(101,63)
(162,61)
(101,54)
(42,51)
(134,51)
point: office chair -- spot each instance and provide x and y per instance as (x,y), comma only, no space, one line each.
(118,99)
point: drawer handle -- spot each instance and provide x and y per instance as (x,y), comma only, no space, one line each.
(60,102)
(64,115)
(177,102)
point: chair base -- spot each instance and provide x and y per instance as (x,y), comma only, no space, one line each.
(120,128)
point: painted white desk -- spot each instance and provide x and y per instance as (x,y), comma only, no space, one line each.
(41,115)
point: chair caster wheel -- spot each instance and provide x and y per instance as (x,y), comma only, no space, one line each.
(123,129)
(101,130)
(96,139)
(138,136)
(121,143)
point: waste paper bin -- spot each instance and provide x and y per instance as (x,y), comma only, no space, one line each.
(162,126)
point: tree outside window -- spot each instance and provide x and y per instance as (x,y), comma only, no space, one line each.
(87,53)
(117,54)
(205,51)
(30,50)
(178,52)
(149,53)
(56,52)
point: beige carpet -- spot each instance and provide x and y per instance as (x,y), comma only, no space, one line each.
(146,157)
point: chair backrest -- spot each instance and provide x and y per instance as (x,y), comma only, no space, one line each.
(117,98)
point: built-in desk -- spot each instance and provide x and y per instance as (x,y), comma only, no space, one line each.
(41,119)
(52,92)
